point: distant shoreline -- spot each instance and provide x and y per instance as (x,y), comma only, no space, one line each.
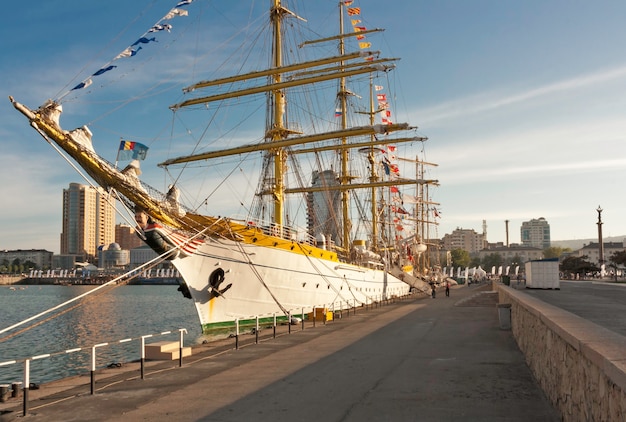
(66,281)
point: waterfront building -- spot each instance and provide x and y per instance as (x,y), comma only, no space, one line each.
(535,233)
(514,254)
(40,257)
(141,255)
(113,256)
(466,239)
(592,251)
(88,221)
(126,237)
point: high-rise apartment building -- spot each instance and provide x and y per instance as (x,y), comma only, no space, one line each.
(535,233)
(466,239)
(88,221)
(324,213)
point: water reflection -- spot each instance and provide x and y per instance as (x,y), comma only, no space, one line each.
(117,313)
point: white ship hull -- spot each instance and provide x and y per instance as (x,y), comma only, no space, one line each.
(263,281)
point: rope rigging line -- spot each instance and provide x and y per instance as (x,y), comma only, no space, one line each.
(126,277)
(259,277)
(320,273)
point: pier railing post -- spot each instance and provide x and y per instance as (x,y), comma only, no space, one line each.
(237,334)
(93,366)
(143,354)
(180,347)
(26,386)
(93,370)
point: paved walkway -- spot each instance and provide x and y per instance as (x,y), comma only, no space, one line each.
(420,359)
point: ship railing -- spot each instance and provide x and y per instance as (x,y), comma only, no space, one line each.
(26,385)
(295,234)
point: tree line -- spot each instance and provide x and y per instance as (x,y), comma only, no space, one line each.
(569,265)
(17,266)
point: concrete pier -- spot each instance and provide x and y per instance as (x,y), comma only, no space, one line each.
(420,359)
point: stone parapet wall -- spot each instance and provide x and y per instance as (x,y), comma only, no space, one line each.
(580,366)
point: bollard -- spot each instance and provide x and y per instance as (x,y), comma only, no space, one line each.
(16,387)
(504,315)
(4,392)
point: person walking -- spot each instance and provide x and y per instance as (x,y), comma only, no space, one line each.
(447,288)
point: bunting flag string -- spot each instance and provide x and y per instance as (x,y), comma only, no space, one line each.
(134,48)
(354,13)
(390,168)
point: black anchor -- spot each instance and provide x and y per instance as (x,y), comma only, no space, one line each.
(215,280)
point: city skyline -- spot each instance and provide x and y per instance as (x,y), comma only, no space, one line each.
(521,103)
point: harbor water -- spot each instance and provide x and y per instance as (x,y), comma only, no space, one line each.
(107,316)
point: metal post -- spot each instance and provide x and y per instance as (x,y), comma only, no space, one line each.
(93,370)
(26,385)
(143,354)
(180,357)
(93,366)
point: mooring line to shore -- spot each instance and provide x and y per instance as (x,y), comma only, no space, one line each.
(128,275)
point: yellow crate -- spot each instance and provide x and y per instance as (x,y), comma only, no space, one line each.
(319,314)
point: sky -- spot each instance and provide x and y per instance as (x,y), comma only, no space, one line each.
(522,102)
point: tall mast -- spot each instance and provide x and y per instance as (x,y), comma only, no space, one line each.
(345,177)
(373,174)
(277,130)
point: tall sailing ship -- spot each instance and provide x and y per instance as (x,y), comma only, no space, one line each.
(333,221)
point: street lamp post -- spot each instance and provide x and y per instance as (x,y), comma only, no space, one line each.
(600,243)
